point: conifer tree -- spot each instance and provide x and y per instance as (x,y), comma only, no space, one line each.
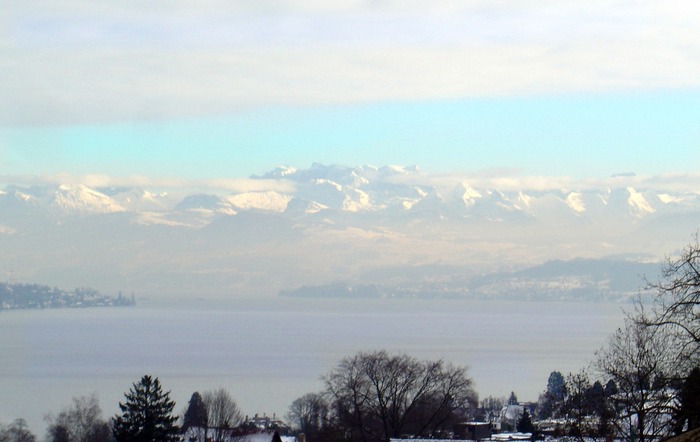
(512,399)
(196,414)
(689,396)
(524,424)
(146,414)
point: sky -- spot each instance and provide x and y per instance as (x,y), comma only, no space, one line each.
(171,91)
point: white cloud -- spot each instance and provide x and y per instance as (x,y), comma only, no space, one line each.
(499,179)
(173,184)
(515,180)
(70,61)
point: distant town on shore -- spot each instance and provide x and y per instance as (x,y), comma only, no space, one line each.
(15,296)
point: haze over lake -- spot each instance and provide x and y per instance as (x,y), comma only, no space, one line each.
(269,352)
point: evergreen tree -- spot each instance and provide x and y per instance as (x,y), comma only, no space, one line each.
(146,414)
(524,424)
(196,414)
(556,386)
(551,401)
(512,399)
(689,396)
(598,403)
(610,388)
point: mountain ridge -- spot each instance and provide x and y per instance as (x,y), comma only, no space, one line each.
(359,189)
(323,225)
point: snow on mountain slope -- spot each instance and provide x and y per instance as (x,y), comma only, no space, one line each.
(139,200)
(330,222)
(79,199)
(575,201)
(665,198)
(269,201)
(356,200)
(638,204)
(497,206)
(298,207)
(431,202)
(627,202)
(467,194)
(278,172)
(393,170)
(342,175)
(392,190)
(205,204)
(549,207)
(17,198)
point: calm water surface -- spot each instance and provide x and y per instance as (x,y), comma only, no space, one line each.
(269,352)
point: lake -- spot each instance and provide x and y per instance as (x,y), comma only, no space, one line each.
(269,352)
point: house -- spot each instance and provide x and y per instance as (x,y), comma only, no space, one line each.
(472,430)
(263,436)
(265,422)
(512,436)
(196,434)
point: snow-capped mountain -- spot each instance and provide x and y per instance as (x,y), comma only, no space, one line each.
(366,189)
(363,190)
(139,200)
(79,199)
(62,200)
(324,224)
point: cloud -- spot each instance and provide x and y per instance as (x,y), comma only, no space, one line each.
(172,184)
(498,179)
(71,62)
(505,179)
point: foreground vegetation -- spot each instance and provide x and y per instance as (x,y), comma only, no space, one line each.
(643,385)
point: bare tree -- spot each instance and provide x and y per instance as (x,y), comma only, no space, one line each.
(677,301)
(642,365)
(377,396)
(490,408)
(17,431)
(222,411)
(575,403)
(309,414)
(80,422)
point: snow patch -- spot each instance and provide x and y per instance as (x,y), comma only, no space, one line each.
(575,201)
(324,182)
(79,199)
(524,199)
(467,194)
(23,196)
(638,203)
(393,169)
(315,207)
(6,230)
(156,218)
(268,200)
(670,199)
(360,201)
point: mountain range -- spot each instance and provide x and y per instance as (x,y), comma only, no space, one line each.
(327,225)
